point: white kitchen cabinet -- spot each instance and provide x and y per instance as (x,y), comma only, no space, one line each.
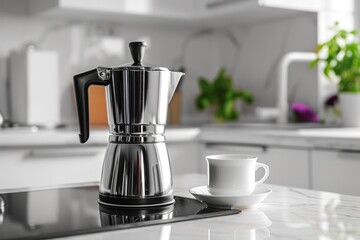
(225,12)
(185,12)
(183,148)
(184,157)
(288,166)
(49,166)
(336,171)
(155,11)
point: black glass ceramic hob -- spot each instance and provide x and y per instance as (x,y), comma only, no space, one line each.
(72,211)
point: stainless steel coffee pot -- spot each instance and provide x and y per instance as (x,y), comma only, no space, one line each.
(136,170)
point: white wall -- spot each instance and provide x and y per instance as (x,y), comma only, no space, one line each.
(261,47)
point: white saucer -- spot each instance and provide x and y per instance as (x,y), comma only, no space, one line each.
(225,201)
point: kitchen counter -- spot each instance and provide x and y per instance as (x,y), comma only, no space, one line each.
(288,213)
(322,137)
(328,138)
(50,137)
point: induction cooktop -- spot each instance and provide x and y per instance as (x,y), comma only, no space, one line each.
(45,214)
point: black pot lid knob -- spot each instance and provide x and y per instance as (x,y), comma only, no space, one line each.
(137,50)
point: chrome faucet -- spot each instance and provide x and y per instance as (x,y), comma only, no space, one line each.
(286,60)
(1,119)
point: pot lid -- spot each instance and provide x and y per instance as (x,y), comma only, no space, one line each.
(137,50)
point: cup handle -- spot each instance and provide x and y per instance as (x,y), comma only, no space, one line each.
(266,175)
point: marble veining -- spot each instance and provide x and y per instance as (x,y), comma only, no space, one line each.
(288,213)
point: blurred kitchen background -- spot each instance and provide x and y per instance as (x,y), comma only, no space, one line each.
(86,34)
(44,43)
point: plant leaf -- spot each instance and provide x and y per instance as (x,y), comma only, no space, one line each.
(204,84)
(202,102)
(314,63)
(221,94)
(246,96)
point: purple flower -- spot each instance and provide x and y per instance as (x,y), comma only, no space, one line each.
(303,113)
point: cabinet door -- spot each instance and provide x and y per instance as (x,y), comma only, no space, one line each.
(336,171)
(11,172)
(50,166)
(288,167)
(183,157)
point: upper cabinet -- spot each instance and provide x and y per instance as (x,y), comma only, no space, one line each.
(184,12)
(220,12)
(140,11)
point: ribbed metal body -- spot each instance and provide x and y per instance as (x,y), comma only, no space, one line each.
(136,170)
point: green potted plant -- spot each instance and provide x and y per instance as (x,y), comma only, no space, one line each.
(341,57)
(220,95)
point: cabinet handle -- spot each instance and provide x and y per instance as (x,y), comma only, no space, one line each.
(349,154)
(56,153)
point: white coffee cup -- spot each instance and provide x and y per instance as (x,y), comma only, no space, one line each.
(233,174)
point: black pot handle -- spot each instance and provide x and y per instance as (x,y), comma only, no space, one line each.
(82,83)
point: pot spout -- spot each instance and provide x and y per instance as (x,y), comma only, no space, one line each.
(175,79)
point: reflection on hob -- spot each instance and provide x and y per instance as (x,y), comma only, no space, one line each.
(72,211)
(111,217)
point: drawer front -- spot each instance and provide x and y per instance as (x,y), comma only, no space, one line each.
(288,167)
(43,167)
(184,157)
(336,171)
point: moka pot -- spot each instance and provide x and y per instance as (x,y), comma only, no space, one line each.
(136,170)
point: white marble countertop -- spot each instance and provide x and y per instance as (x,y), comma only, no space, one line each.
(288,213)
(329,138)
